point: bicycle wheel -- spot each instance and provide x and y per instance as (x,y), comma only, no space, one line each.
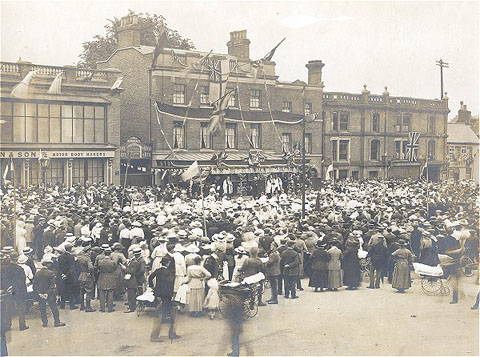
(251,305)
(467,266)
(431,286)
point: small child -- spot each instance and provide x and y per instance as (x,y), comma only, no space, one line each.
(212,299)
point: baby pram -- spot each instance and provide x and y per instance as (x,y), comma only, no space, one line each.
(147,299)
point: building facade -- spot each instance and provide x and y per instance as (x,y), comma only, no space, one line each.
(362,135)
(66,138)
(463,147)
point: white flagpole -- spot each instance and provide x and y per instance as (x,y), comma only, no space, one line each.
(203,204)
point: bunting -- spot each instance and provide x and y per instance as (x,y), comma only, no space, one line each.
(218,114)
(22,89)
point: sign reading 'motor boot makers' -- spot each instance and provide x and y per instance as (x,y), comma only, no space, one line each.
(67,154)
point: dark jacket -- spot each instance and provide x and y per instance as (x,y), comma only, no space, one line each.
(319,259)
(44,282)
(378,254)
(136,270)
(14,276)
(107,279)
(272,266)
(163,283)
(290,257)
(252,266)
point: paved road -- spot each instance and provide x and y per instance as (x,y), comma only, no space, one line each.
(363,322)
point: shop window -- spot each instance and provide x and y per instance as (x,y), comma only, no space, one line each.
(54,171)
(230,136)
(206,140)
(7,122)
(355,175)
(95,170)
(373,174)
(255,135)
(342,174)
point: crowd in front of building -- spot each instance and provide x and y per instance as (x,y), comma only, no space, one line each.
(75,245)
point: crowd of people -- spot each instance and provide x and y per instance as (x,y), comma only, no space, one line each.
(66,247)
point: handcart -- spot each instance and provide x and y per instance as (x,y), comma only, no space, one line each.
(431,279)
(146,300)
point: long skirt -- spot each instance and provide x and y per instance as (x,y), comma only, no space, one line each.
(334,279)
(401,275)
(319,279)
(195,300)
(351,269)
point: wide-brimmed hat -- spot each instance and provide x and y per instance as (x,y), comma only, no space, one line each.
(192,248)
(22,259)
(240,250)
(27,250)
(179,248)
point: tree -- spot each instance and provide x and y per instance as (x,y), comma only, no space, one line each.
(102,46)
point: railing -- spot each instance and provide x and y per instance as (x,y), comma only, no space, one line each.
(90,74)
(342,96)
(47,70)
(402,100)
(375,99)
(8,67)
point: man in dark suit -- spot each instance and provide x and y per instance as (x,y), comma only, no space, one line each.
(378,256)
(163,289)
(289,264)
(44,286)
(134,275)
(66,267)
(13,278)
(107,280)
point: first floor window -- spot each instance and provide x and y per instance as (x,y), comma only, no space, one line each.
(343,150)
(255,135)
(178,135)
(431,150)
(335,121)
(400,149)
(204,97)
(375,150)
(308,143)
(179,94)
(287,107)
(255,98)
(205,137)
(233,100)
(344,118)
(286,142)
(376,123)
(431,124)
(230,136)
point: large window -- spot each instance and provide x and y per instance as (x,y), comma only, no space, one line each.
(90,170)
(255,136)
(375,150)
(179,94)
(233,100)
(431,150)
(286,142)
(402,122)
(178,135)
(204,95)
(230,136)
(287,107)
(255,98)
(206,140)
(54,171)
(334,150)
(52,123)
(431,124)
(335,121)
(376,123)
(308,143)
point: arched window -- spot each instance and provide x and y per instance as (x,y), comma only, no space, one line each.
(376,123)
(431,150)
(375,150)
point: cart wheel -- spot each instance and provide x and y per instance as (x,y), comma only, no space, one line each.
(266,284)
(251,306)
(467,266)
(140,308)
(431,286)
(225,305)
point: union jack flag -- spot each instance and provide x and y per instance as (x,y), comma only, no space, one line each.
(215,67)
(412,146)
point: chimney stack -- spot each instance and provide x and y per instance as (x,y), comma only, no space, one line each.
(239,44)
(315,73)
(464,115)
(129,32)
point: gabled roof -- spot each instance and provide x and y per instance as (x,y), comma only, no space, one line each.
(461,133)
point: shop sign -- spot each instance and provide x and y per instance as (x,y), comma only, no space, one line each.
(134,148)
(63,154)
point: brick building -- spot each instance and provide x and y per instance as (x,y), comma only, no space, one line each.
(69,137)
(362,135)
(463,147)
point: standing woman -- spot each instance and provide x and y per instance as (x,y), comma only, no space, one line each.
(241,256)
(351,264)
(401,273)
(196,274)
(334,266)
(319,261)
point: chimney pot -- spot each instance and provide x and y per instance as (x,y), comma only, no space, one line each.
(239,44)
(315,73)
(129,32)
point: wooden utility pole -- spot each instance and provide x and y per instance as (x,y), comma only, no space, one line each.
(442,65)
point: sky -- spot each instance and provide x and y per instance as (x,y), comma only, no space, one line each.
(394,44)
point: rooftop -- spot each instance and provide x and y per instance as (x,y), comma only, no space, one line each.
(461,133)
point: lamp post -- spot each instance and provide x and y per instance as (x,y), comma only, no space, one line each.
(303,165)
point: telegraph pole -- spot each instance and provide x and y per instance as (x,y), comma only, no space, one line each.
(442,65)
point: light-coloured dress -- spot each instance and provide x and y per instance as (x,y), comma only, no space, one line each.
(196,274)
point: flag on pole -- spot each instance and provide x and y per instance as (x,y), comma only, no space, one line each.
(423,168)
(329,171)
(159,121)
(218,114)
(22,89)
(161,42)
(56,86)
(412,146)
(191,172)
(268,57)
